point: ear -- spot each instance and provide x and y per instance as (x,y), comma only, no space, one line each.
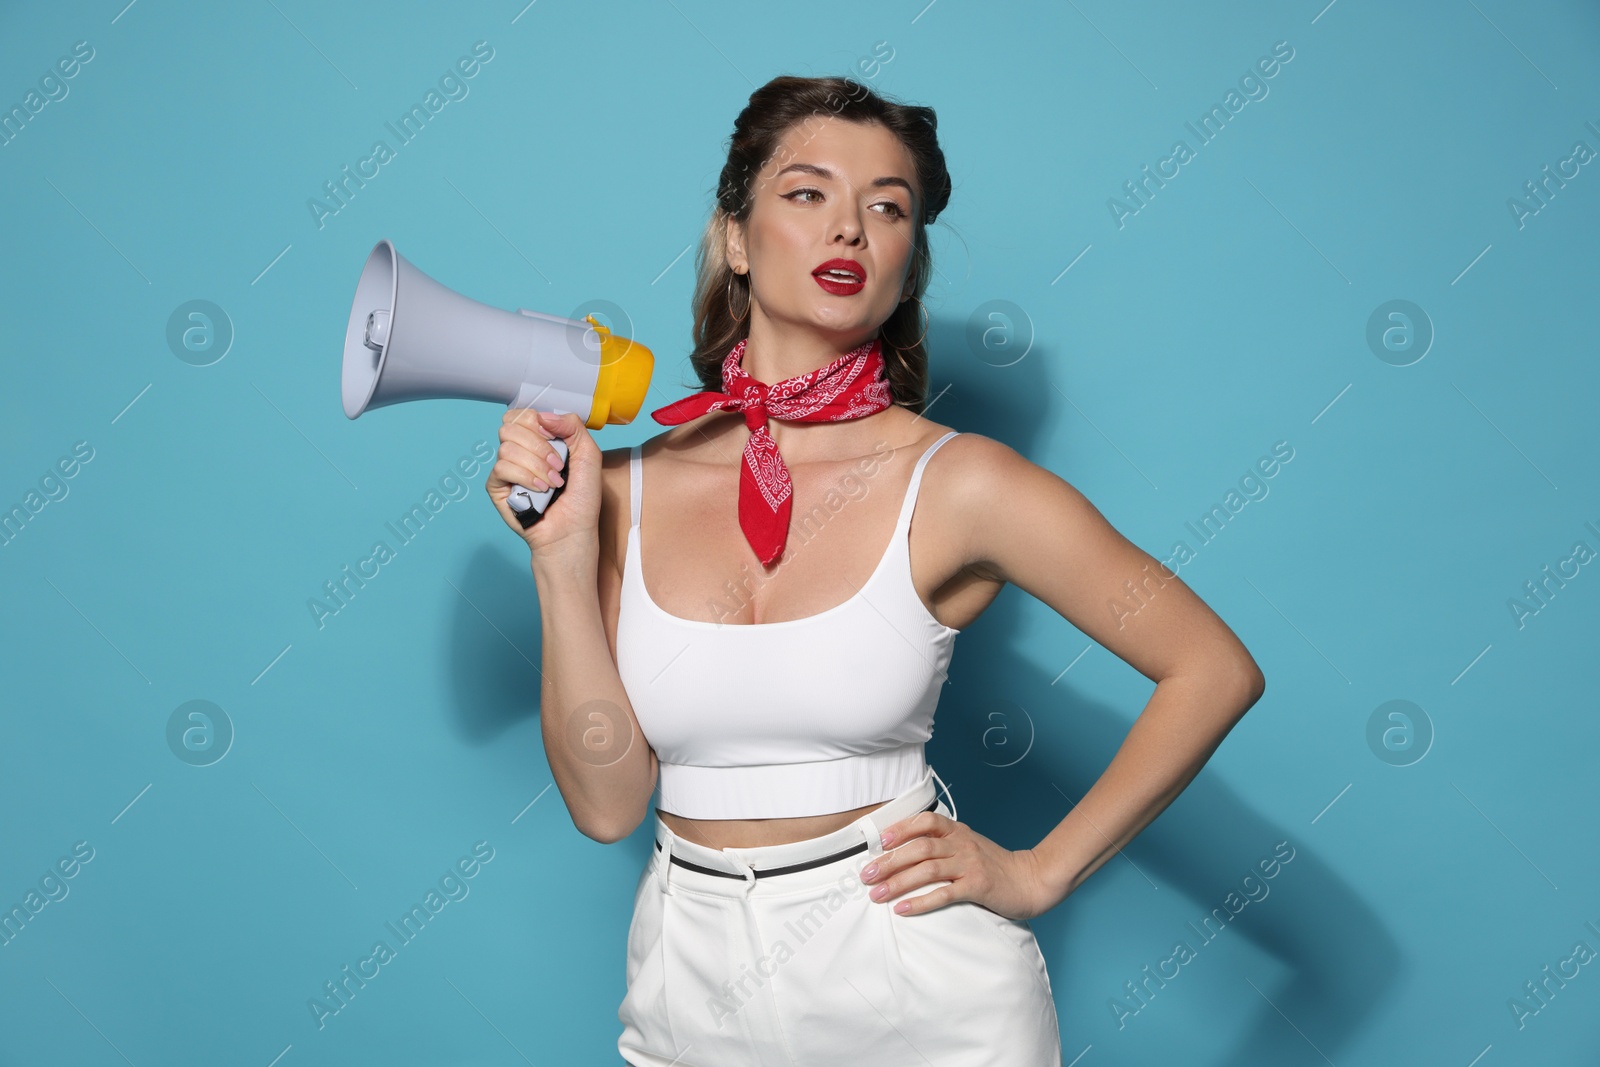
(735,247)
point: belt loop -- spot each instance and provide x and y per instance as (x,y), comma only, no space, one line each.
(947,793)
(664,872)
(747,872)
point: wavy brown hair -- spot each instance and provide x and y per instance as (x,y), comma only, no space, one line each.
(772,111)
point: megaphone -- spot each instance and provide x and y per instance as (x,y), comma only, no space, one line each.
(410,338)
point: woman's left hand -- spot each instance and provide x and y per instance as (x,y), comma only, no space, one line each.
(930,847)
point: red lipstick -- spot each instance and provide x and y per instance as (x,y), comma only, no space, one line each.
(841,277)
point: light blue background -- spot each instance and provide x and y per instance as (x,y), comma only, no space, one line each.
(1230,313)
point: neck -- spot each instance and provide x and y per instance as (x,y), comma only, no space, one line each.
(773,352)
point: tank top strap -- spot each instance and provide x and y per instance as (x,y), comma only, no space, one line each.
(909,505)
(635,484)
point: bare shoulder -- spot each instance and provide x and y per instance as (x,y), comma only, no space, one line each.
(993,498)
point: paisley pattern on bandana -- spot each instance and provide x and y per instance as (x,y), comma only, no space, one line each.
(848,388)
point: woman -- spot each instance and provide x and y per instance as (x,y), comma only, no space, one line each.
(781,653)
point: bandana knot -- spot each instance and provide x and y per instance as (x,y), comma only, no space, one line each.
(847,388)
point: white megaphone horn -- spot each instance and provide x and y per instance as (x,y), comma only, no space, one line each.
(410,338)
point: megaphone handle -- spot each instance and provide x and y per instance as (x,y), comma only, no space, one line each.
(528,506)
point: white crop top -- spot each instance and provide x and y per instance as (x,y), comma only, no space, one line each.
(799,717)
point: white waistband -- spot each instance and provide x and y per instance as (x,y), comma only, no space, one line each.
(790,790)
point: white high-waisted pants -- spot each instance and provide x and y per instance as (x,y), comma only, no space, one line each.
(803,969)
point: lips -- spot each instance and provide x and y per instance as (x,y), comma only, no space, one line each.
(841,277)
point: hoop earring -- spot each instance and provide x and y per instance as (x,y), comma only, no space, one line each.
(926,322)
(739,317)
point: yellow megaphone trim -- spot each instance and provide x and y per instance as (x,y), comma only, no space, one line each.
(625,370)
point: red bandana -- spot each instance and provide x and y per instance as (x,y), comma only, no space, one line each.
(851,386)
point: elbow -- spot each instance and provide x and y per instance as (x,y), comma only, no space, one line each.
(609,833)
(1251,685)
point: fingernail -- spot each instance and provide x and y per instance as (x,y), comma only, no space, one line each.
(886,837)
(870,871)
(878,892)
(903,907)
(556,479)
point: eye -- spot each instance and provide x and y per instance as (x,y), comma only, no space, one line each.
(897,213)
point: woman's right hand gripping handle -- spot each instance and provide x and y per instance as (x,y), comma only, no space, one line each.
(526,457)
(607,788)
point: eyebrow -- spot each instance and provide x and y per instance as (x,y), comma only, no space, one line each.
(826,174)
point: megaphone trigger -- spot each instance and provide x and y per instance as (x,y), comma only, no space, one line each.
(528,506)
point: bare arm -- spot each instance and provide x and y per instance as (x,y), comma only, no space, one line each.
(1042,535)
(605,770)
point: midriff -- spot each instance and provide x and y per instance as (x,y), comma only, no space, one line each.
(755,833)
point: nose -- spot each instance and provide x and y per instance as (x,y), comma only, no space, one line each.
(847,225)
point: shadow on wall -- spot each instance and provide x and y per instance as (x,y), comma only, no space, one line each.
(1342,960)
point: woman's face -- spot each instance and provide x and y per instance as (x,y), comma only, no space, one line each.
(834,189)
